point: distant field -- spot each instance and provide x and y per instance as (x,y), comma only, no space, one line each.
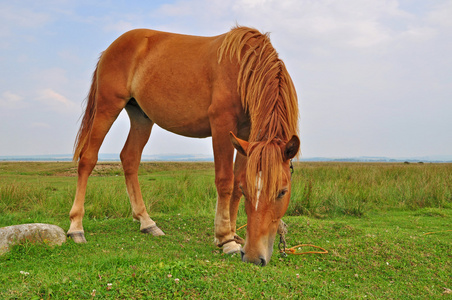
(372,217)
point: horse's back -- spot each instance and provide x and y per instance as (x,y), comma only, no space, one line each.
(173,77)
(144,50)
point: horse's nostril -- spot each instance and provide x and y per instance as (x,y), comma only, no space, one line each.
(242,253)
(263,262)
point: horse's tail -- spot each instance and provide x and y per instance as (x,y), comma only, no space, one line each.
(88,118)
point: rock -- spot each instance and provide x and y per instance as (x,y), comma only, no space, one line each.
(33,233)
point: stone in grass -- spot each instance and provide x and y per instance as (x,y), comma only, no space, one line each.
(33,233)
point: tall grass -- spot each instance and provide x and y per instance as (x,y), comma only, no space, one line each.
(322,189)
(186,191)
(16,196)
(318,189)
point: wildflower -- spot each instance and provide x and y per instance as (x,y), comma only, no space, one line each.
(24,273)
(93,293)
(109,285)
(176,280)
(169,275)
(298,275)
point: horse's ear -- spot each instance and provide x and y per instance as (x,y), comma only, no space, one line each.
(291,148)
(240,145)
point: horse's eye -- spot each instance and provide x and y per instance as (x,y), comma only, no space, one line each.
(282,193)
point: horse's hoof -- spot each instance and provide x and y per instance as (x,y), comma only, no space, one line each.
(154,230)
(77,237)
(231,248)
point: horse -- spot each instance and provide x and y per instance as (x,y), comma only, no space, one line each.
(232,87)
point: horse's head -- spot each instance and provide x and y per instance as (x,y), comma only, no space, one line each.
(266,187)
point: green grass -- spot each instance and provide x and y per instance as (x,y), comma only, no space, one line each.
(372,218)
(334,189)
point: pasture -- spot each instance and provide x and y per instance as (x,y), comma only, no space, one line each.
(372,218)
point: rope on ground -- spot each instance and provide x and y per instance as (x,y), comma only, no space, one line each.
(293,250)
(436,232)
(241,227)
(282,230)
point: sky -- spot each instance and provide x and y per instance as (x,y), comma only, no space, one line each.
(373,77)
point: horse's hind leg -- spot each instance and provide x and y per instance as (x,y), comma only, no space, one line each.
(104,118)
(140,130)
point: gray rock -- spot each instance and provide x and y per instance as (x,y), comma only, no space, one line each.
(33,233)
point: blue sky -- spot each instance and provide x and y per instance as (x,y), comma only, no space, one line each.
(374,77)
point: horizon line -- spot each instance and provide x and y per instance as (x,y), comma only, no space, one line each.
(205,157)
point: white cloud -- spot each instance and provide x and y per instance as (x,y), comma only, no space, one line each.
(55,101)
(419,34)
(351,23)
(22,16)
(10,100)
(441,15)
(12,17)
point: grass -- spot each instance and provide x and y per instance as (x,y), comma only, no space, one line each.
(372,218)
(334,189)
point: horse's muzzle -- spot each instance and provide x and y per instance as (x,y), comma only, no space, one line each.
(258,261)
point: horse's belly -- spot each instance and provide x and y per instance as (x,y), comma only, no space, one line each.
(188,120)
(199,129)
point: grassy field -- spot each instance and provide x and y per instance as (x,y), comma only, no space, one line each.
(372,218)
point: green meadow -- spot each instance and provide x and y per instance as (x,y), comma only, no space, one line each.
(387,228)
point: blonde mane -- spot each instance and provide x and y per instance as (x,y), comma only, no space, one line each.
(269,98)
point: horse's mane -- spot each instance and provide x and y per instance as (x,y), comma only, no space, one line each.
(269,98)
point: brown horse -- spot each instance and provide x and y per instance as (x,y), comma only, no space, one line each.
(232,87)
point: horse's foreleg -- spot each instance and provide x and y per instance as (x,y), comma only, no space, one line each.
(239,168)
(140,130)
(224,181)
